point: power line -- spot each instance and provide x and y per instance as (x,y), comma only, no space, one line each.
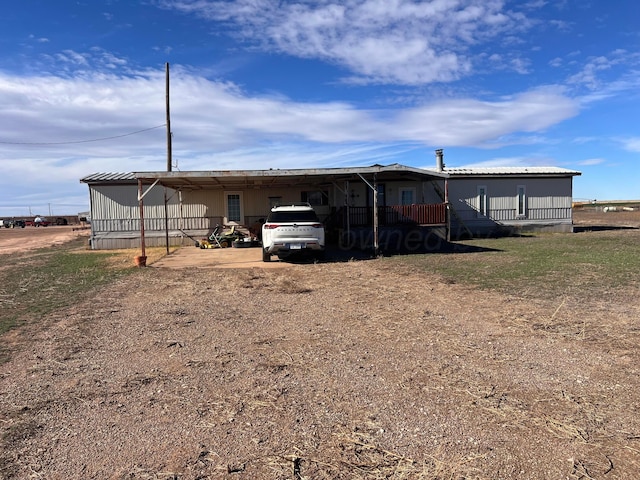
(83,141)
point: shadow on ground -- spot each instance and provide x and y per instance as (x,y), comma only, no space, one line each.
(336,254)
(600,228)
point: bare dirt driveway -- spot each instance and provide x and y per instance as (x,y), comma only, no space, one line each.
(360,369)
(30,238)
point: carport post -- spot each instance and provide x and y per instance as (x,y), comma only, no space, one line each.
(346,204)
(141,203)
(166,220)
(376,246)
(142,259)
(447,212)
(374,187)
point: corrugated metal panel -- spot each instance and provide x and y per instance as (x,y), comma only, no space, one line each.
(109,177)
(523,171)
(200,203)
(125,240)
(115,208)
(121,202)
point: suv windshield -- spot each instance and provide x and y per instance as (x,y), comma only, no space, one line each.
(293,216)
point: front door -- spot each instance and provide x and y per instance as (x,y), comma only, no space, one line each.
(233,208)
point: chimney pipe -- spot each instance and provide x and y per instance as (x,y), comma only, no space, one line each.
(439,160)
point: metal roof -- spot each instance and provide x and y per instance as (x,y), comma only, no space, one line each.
(511,171)
(268,178)
(109,178)
(310,176)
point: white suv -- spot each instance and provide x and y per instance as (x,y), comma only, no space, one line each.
(290,230)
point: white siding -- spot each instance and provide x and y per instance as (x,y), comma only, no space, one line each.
(548,201)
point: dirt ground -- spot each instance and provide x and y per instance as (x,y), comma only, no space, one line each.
(355,369)
(14,240)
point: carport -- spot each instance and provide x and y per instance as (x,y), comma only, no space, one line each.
(352,199)
(337,178)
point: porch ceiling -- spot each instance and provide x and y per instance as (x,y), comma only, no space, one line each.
(243,179)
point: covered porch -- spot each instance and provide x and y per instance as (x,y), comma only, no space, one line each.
(396,228)
(392,215)
(382,200)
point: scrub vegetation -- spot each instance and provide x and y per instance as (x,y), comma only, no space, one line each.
(540,265)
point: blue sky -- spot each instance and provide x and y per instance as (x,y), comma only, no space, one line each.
(259,84)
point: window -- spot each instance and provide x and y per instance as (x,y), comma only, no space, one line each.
(407,196)
(233,202)
(482,201)
(522,201)
(315,198)
(274,202)
(381,195)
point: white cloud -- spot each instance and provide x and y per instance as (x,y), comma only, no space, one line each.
(561,25)
(555,62)
(217,116)
(631,144)
(473,122)
(396,41)
(535,4)
(69,56)
(217,125)
(592,73)
(591,161)
(39,39)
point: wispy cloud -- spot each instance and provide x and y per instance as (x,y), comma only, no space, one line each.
(218,125)
(631,144)
(72,63)
(592,72)
(396,42)
(591,161)
(219,115)
(39,39)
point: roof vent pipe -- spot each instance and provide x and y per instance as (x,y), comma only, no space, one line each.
(439,160)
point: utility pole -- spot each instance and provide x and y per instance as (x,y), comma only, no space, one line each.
(169,162)
(169,159)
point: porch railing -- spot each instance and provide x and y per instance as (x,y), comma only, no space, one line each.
(416,214)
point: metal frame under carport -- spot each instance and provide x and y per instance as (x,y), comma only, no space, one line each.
(279,178)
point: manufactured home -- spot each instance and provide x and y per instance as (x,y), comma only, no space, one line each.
(391,207)
(503,201)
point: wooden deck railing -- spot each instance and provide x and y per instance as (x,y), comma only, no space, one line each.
(417,214)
